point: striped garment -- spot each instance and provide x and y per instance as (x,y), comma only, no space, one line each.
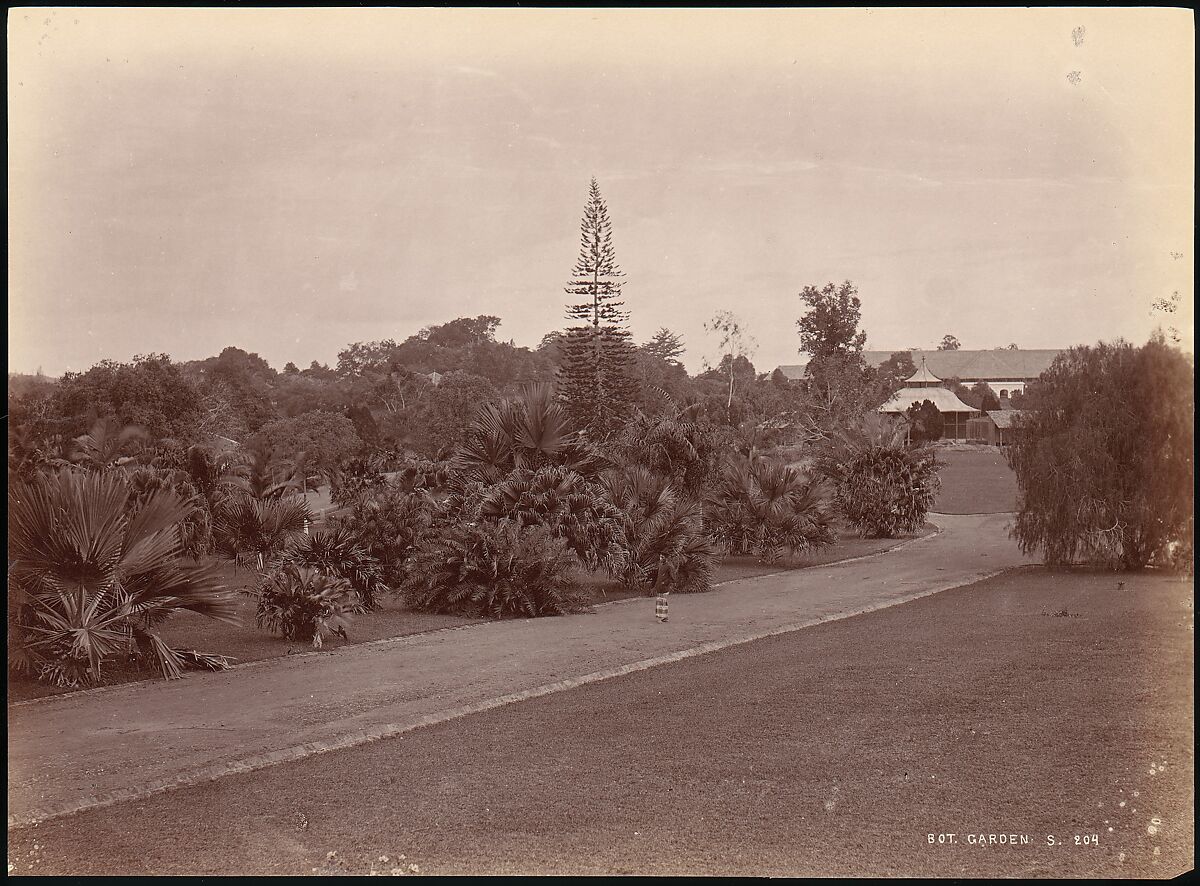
(660,607)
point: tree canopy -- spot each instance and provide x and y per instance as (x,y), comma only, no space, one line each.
(982,397)
(150,391)
(665,345)
(324,439)
(829,324)
(1104,457)
(893,372)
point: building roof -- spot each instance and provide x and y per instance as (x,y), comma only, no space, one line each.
(944,400)
(225,444)
(1003,417)
(995,365)
(923,376)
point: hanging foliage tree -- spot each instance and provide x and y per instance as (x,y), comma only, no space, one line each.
(1104,457)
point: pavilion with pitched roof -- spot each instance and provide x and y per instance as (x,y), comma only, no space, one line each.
(924,385)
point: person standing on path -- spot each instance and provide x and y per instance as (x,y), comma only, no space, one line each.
(664,581)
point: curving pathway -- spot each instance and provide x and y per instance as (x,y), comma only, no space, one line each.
(69,753)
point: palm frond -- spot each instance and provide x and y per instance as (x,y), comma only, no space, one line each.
(85,574)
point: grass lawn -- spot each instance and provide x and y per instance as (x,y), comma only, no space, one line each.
(975,480)
(246,642)
(1033,704)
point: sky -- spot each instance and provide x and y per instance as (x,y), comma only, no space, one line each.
(291,181)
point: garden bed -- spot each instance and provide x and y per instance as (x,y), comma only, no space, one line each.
(246,642)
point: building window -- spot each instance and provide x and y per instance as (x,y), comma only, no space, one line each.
(1004,392)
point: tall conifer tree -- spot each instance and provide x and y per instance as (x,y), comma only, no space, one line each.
(596,379)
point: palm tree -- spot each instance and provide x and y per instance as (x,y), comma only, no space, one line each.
(216,473)
(674,443)
(304,604)
(881,484)
(663,531)
(561,500)
(267,478)
(29,451)
(531,431)
(89,580)
(765,507)
(337,552)
(106,445)
(195,530)
(391,526)
(246,527)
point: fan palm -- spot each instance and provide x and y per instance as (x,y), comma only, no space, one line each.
(528,432)
(247,527)
(195,530)
(88,580)
(266,478)
(569,506)
(216,473)
(662,530)
(765,507)
(108,443)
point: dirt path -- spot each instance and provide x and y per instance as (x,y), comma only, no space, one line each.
(93,749)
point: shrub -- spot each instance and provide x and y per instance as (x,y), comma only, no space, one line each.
(926,423)
(30,451)
(1103,456)
(337,553)
(384,470)
(356,478)
(389,525)
(882,486)
(662,530)
(493,570)
(566,504)
(303,604)
(388,471)
(90,578)
(440,419)
(765,508)
(417,474)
